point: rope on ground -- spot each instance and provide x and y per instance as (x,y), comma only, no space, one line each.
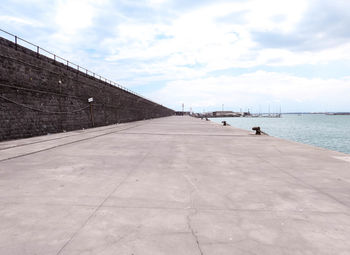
(39,110)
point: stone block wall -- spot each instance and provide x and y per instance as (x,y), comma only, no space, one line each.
(39,96)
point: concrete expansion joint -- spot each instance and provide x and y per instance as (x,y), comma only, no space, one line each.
(68,143)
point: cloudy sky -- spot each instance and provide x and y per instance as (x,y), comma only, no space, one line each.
(205,54)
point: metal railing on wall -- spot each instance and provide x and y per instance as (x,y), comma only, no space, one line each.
(40,51)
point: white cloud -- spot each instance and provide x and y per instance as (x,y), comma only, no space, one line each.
(156,3)
(145,42)
(73,17)
(275,14)
(254,89)
(197,38)
(20,21)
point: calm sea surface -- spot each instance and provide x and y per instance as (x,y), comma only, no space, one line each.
(327,131)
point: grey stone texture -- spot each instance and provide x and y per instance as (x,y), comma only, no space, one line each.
(39,96)
(174,185)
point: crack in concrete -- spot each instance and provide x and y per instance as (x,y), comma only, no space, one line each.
(102,203)
(193,231)
(304,182)
(195,211)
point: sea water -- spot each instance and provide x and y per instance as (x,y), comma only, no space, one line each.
(327,131)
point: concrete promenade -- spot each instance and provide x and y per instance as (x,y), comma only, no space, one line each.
(174,185)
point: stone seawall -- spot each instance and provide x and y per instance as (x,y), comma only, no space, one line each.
(39,96)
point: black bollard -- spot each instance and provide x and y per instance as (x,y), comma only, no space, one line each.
(224,122)
(257,130)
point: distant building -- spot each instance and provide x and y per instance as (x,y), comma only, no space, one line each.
(182,113)
(226,114)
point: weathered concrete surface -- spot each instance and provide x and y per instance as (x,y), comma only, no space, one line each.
(174,185)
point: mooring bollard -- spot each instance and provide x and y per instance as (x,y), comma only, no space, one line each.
(224,122)
(257,130)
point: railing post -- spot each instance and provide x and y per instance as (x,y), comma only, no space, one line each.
(16,41)
(67,64)
(37,51)
(54,58)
